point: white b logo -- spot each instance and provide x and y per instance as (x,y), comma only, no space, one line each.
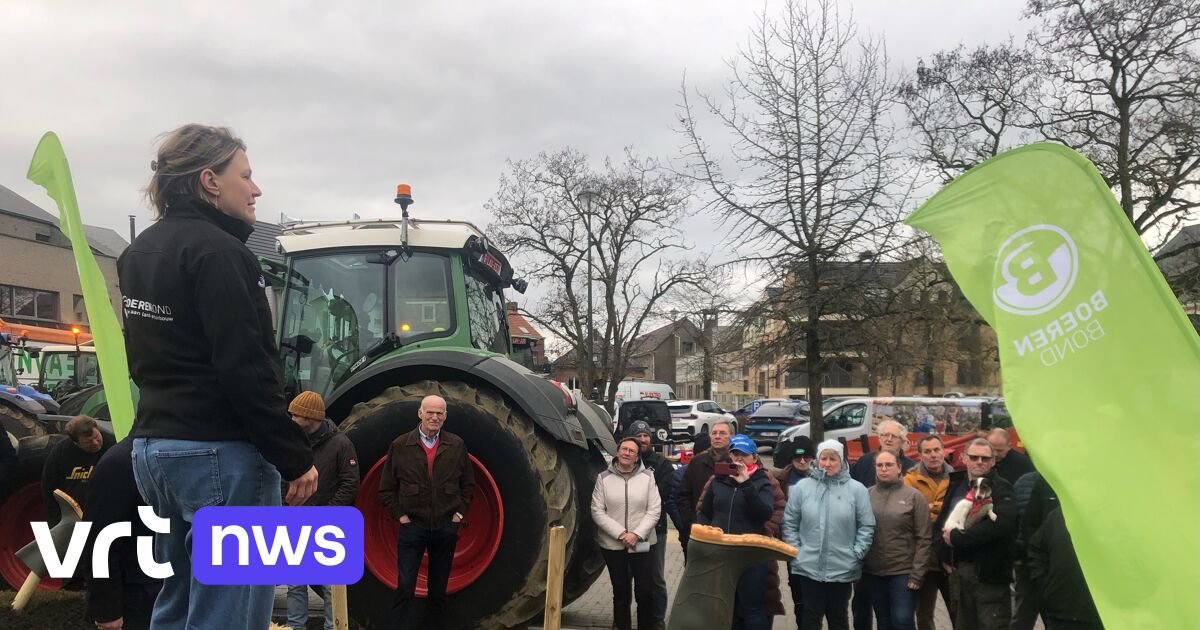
(1037,267)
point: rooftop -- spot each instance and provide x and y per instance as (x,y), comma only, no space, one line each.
(104,240)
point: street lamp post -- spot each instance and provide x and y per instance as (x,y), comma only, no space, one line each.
(587,199)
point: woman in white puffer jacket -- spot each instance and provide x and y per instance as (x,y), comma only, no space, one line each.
(626,507)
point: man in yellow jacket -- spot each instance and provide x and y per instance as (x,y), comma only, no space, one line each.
(931,476)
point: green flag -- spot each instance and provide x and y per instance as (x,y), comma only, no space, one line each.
(1101,369)
(49,170)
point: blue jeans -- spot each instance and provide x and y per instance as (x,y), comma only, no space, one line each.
(178,477)
(894,603)
(297,606)
(750,600)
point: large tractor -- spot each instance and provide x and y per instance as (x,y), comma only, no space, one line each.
(20,405)
(375,315)
(31,426)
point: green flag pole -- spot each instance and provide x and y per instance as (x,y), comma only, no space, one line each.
(49,170)
(1101,369)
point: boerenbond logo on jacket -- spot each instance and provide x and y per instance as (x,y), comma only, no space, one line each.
(230,545)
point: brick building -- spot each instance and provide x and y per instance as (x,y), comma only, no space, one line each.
(39,284)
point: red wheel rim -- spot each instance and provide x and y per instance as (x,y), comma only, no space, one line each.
(478,537)
(21,508)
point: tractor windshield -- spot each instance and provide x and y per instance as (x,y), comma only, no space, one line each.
(63,373)
(340,305)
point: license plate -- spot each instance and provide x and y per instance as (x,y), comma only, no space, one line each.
(769,434)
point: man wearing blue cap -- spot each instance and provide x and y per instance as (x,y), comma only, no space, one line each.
(741,503)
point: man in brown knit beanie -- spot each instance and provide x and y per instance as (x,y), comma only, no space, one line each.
(337,484)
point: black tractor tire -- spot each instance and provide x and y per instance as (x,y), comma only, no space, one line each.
(19,423)
(535,483)
(586,564)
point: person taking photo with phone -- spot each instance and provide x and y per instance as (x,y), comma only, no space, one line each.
(740,499)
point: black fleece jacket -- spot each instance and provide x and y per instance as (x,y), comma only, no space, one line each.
(198,333)
(987,543)
(69,468)
(663,472)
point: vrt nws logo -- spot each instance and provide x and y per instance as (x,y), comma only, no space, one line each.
(1038,266)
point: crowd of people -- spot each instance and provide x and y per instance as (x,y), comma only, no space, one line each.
(871,536)
(873,545)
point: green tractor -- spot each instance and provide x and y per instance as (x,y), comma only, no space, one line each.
(375,315)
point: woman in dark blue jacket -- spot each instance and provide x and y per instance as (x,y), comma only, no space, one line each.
(742,503)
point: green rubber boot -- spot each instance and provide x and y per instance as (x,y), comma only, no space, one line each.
(715,561)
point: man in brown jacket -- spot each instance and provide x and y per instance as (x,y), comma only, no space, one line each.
(931,477)
(427,484)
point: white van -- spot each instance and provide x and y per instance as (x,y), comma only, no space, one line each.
(631,389)
(856,417)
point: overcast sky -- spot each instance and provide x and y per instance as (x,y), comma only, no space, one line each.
(338,102)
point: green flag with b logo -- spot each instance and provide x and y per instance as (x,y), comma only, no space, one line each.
(1100,366)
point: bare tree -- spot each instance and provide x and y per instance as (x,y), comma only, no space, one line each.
(967,106)
(631,231)
(1125,91)
(812,163)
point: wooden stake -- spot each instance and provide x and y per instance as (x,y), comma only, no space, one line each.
(27,589)
(341,611)
(556,566)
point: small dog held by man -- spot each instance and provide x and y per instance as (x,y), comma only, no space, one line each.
(973,508)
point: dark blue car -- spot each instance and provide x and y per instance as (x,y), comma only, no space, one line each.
(772,418)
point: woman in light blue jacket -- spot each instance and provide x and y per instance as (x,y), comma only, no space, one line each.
(829,521)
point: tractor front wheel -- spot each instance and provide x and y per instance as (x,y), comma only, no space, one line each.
(523,486)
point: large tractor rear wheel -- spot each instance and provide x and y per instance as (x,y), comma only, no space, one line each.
(19,423)
(523,486)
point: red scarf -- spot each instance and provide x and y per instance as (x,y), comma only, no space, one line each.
(976,506)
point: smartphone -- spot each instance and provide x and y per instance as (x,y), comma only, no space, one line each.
(724,469)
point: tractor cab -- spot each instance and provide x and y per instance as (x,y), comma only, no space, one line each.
(356,290)
(64,370)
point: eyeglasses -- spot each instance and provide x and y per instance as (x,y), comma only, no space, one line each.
(980,458)
(895,436)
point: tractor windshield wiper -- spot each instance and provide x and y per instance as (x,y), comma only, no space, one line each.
(389,342)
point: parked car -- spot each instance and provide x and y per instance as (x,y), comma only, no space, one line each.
(689,417)
(854,417)
(752,406)
(773,418)
(652,412)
